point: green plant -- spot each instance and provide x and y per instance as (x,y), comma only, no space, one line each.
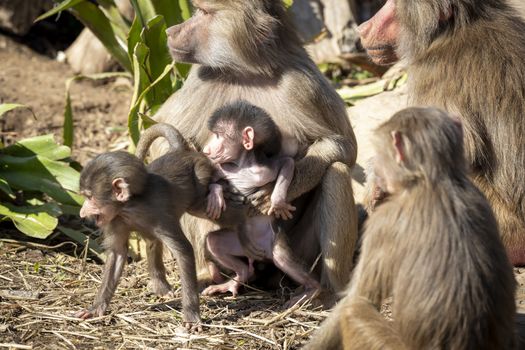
(37,183)
(140,47)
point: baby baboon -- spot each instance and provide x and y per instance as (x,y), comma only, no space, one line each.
(433,245)
(468,57)
(123,196)
(245,148)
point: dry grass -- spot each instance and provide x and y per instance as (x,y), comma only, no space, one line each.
(40,289)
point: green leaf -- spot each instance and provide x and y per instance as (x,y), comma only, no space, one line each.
(154,37)
(44,146)
(185,7)
(134,37)
(58,8)
(6,107)
(134,111)
(352,94)
(93,18)
(56,179)
(361,91)
(34,221)
(70,209)
(67,133)
(4,187)
(144,10)
(141,81)
(81,238)
(170,10)
(119,24)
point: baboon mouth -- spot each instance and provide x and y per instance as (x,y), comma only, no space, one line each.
(383,56)
(179,51)
(98,219)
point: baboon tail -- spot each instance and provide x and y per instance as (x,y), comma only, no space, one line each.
(169,132)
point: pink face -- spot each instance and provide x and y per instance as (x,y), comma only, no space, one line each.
(221,148)
(91,208)
(379,35)
(188,41)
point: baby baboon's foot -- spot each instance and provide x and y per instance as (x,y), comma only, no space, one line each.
(230,286)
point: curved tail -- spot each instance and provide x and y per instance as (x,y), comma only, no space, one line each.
(169,132)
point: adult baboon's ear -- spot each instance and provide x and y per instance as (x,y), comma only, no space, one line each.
(121,189)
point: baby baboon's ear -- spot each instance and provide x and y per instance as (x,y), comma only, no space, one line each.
(121,189)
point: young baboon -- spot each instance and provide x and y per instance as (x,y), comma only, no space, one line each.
(245,147)
(468,57)
(123,196)
(433,245)
(249,50)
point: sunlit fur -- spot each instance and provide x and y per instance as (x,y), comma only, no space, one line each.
(433,245)
(473,65)
(262,61)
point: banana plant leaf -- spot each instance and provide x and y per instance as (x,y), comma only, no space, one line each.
(4,187)
(173,11)
(133,117)
(64,5)
(6,107)
(353,94)
(34,221)
(118,22)
(141,81)
(37,173)
(185,8)
(44,145)
(154,37)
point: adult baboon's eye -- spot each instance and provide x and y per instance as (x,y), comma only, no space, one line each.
(201,11)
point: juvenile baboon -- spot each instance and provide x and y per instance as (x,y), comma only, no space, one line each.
(468,57)
(433,245)
(123,196)
(249,50)
(245,147)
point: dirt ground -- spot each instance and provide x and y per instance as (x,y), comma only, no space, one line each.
(41,285)
(99,108)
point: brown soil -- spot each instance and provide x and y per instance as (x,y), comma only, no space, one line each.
(99,109)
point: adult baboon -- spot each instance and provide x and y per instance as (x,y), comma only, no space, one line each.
(468,57)
(247,49)
(433,245)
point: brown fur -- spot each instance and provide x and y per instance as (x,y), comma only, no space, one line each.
(147,205)
(248,50)
(473,64)
(433,246)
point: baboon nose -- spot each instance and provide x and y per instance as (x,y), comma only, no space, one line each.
(363,28)
(172,30)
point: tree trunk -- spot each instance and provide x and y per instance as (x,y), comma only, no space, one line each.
(329,27)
